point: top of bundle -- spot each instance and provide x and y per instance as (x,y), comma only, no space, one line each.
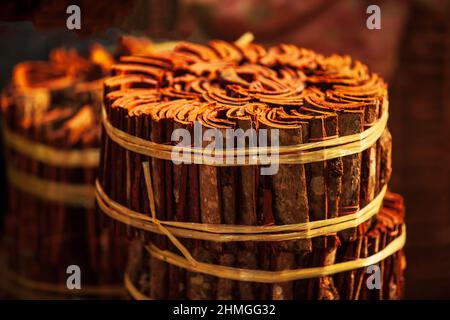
(64,68)
(58,100)
(221,83)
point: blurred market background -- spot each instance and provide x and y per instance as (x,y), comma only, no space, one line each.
(411,51)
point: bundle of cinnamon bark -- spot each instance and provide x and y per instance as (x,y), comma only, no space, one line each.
(310,99)
(51,131)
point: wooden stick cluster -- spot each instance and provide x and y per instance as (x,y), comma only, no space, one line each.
(307,96)
(56,103)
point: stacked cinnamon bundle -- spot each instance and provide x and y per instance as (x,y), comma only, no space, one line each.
(352,285)
(222,230)
(51,131)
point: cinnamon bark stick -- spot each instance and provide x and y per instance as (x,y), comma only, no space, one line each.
(384,159)
(350,123)
(228,188)
(210,207)
(248,204)
(158,268)
(289,204)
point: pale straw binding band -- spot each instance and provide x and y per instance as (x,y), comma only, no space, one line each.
(77,195)
(294,154)
(61,289)
(49,155)
(231,233)
(263,276)
(132,290)
(252,275)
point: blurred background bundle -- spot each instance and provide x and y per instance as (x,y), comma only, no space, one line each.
(411,52)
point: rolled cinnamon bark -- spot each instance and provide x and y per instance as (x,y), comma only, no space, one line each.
(307,97)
